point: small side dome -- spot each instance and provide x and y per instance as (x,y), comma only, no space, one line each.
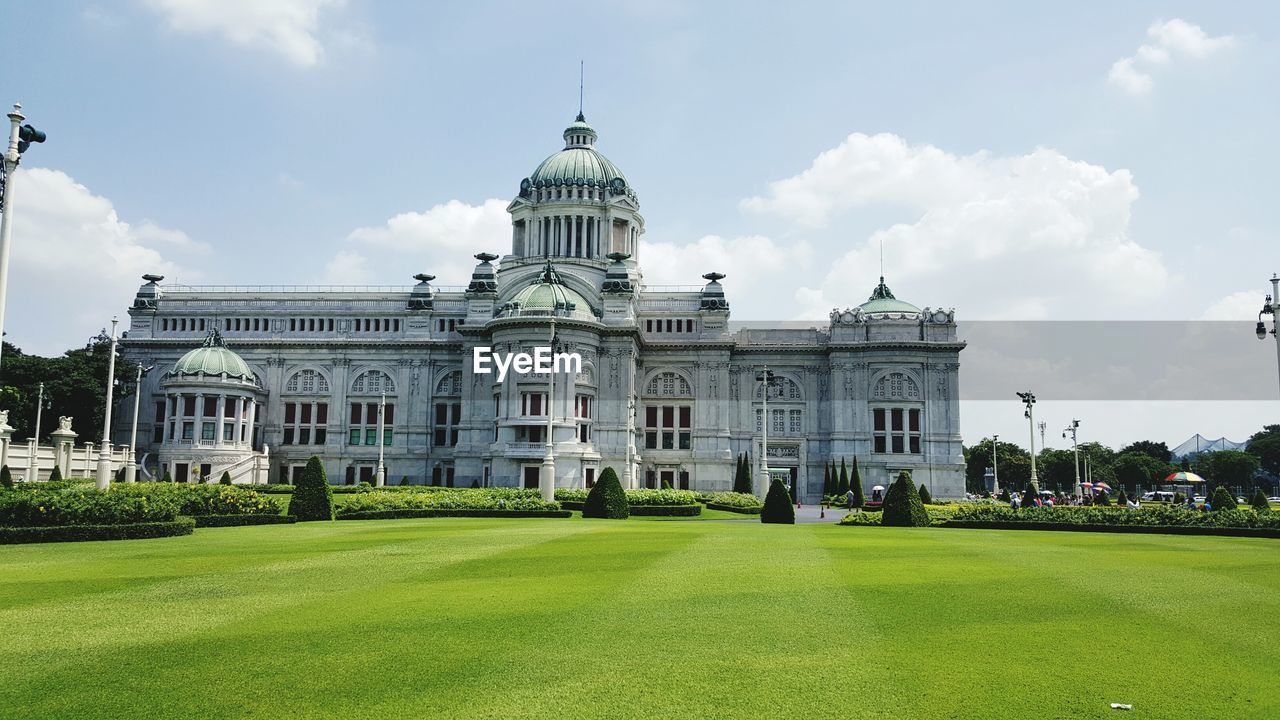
(212,359)
(548,296)
(882,302)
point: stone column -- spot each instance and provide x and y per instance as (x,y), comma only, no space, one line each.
(64,440)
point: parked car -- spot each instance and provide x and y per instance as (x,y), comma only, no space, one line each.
(1199,498)
(1158,496)
(1273,499)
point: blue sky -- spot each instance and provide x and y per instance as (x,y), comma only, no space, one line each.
(1019,160)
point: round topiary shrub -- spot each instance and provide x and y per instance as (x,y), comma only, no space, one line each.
(1258,501)
(312,496)
(225,479)
(1179,498)
(902,506)
(925,497)
(1221,499)
(607,499)
(777,505)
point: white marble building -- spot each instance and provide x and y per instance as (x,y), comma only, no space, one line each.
(666,383)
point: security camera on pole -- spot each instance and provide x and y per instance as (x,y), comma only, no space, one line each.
(20,138)
(1075,448)
(1271,307)
(995,465)
(766,377)
(1029,399)
(104,453)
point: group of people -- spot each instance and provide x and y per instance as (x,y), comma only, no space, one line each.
(1017,500)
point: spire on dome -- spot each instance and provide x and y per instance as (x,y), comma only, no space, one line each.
(882,292)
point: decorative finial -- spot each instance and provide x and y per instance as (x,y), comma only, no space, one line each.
(423,277)
(714,276)
(485,257)
(618,256)
(152,278)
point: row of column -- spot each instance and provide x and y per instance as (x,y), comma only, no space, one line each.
(244,418)
(570,236)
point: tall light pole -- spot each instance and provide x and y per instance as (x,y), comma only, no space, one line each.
(131,466)
(631,441)
(39,411)
(995,465)
(104,454)
(1075,448)
(1270,307)
(381,476)
(766,377)
(33,464)
(1029,399)
(547,473)
(1041,425)
(20,138)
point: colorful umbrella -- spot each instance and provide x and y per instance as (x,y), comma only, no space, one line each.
(1183,477)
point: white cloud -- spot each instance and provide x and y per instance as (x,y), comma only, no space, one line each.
(348,267)
(1172,38)
(1238,306)
(75,263)
(748,263)
(1030,236)
(439,241)
(290,28)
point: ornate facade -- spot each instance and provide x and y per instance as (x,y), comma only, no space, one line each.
(668,391)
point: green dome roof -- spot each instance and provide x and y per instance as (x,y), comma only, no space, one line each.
(883,301)
(213,358)
(579,163)
(550,292)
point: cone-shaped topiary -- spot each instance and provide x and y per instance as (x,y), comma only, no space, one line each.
(1179,498)
(828,487)
(842,485)
(859,497)
(607,499)
(167,477)
(777,505)
(225,479)
(312,496)
(925,497)
(742,482)
(902,506)
(1101,498)
(1221,499)
(1258,501)
(56,474)
(6,478)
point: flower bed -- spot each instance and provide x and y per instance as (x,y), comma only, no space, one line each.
(1242,521)
(506,499)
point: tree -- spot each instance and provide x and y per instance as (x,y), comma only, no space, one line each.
(56,474)
(777,505)
(6,479)
(1155,450)
(74,385)
(225,479)
(855,481)
(1122,498)
(607,500)
(742,483)
(1258,502)
(1134,469)
(828,488)
(312,496)
(1057,469)
(1221,499)
(902,506)
(167,477)
(924,495)
(1265,445)
(842,486)
(1228,467)
(1012,471)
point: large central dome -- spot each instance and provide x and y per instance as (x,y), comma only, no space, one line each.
(578,164)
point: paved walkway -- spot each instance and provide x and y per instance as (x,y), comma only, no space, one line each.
(812,513)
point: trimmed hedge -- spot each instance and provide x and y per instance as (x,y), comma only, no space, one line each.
(204,521)
(451,512)
(47,508)
(777,505)
(312,497)
(666,510)
(82,533)
(452,499)
(1222,499)
(732,499)
(735,508)
(607,500)
(1158,517)
(902,506)
(199,500)
(1148,529)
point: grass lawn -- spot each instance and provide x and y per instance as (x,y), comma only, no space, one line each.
(477,618)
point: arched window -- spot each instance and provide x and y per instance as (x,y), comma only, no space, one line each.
(372,382)
(783,388)
(896,386)
(450,384)
(307,382)
(668,384)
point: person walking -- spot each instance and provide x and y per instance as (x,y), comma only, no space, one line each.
(849,496)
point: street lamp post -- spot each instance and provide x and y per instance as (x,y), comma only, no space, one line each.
(33,463)
(547,473)
(380,477)
(766,376)
(20,138)
(995,465)
(631,441)
(1075,448)
(131,466)
(104,454)
(1270,307)
(1029,399)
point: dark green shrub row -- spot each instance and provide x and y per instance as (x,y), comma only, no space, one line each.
(572,505)
(79,533)
(350,489)
(735,509)
(1151,529)
(666,510)
(451,512)
(204,521)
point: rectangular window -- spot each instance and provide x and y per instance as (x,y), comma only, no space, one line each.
(668,427)
(445,427)
(881,438)
(305,423)
(188,406)
(188,430)
(364,424)
(896,430)
(793,422)
(206,431)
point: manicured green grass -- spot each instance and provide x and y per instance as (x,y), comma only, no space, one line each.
(477,618)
